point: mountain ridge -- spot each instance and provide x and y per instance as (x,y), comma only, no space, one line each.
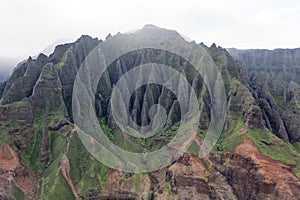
(36,123)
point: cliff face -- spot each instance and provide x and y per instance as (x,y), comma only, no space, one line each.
(274,78)
(41,149)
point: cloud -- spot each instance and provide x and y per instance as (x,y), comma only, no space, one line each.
(28,27)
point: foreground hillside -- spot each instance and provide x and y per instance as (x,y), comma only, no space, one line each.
(42,156)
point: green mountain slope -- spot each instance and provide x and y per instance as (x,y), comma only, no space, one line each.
(42,156)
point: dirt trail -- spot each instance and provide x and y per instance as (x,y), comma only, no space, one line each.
(243,131)
(64,168)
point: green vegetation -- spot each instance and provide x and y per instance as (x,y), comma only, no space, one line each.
(279,101)
(61,62)
(133,144)
(42,149)
(128,143)
(270,145)
(34,154)
(77,158)
(193,149)
(16,192)
(60,190)
(107,130)
(18,104)
(57,144)
(90,180)
(297,170)
(276,148)
(168,186)
(231,139)
(169,133)
(86,172)
(138,181)
(14,124)
(297,146)
(50,174)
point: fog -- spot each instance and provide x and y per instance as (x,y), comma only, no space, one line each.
(33,26)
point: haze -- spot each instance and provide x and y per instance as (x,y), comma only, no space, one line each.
(29,27)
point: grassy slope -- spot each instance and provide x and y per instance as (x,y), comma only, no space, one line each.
(230,139)
(87,173)
(16,192)
(266,142)
(276,148)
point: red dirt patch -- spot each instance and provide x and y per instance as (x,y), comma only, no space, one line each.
(273,171)
(247,148)
(11,170)
(8,158)
(112,178)
(25,181)
(243,131)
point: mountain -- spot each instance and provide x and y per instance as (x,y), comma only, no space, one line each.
(274,78)
(256,157)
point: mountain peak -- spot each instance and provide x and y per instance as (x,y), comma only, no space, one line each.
(150,26)
(85,37)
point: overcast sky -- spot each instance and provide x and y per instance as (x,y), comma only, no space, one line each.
(29,27)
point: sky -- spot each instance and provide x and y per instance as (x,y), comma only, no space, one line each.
(34,26)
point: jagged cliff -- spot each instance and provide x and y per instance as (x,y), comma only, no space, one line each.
(42,157)
(274,79)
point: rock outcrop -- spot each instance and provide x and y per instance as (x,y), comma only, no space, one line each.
(13,175)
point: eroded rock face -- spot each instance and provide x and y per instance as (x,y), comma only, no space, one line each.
(275,80)
(186,178)
(245,174)
(241,100)
(21,83)
(255,176)
(292,124)
(273,119)
(47,93)
(21,116)
(12,172)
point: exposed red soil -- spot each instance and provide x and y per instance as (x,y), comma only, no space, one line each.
(8,158)
(273,171)
(25,181)
(112,179)
(13,171)
(247,148)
